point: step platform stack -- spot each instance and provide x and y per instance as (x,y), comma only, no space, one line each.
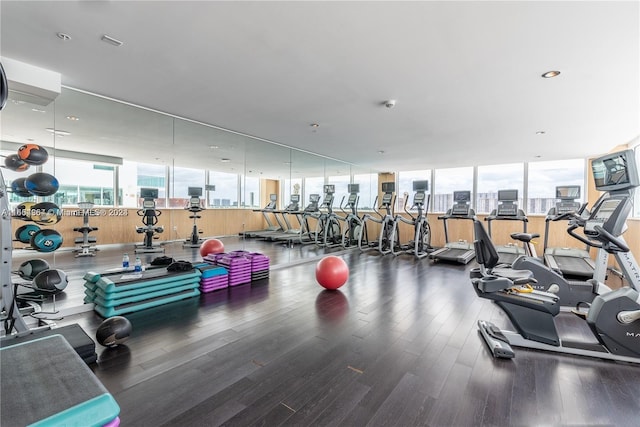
(213,277)
(243,267)
(123,292)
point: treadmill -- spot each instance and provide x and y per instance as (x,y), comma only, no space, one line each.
(508,210)
(462,251)
(270,208)
(292,208)
(572,262)
(306,236)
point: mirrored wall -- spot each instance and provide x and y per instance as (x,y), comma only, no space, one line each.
(103,152)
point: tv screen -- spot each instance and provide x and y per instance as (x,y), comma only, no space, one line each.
(568,192)
(149,193)
(615,171)
(421,185)
(388,187)
(507,195)
(273,197)
(461,196)
(194,191)
(353,188)
(329,189)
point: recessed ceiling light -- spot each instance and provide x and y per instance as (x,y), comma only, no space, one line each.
(540,132)
(58,132)
(550,74)
(287,163)
(30,139)
(63,36)
(380,151)
(214,147)
(37,110)
(314,125)
(225,160)
(538,156)
(108,39)
(73,118)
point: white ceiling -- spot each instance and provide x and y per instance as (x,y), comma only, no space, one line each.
(466,75)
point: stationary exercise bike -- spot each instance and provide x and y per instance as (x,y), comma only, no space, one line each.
(149,215)
(612,317)
(387,222)
(194,206)
(86,244)
(354,225)
(420,246)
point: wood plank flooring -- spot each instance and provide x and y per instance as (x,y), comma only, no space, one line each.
(396,346)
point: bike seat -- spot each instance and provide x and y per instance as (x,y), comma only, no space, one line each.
(524,237)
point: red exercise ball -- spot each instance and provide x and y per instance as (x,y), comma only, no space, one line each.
(211,246)
(332,272)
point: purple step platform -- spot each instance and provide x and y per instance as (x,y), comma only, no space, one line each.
(243,266)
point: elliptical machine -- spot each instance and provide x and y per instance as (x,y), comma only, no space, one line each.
(149,215)
(354,225)
(612,317)
(420,246)
(387,222)
(194,206)
(328,232)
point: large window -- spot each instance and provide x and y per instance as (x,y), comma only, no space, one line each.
(181,180)
(251,193)
(292,186)
(446,182)
(493,178)
(225,194)
(545,176)
(341,182)
(313,186)
(134,176)
(368,189)
(405,186)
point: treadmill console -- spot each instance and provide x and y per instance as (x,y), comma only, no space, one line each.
(313,203)
(563,207)
(567,195)
(508,209)
(507,203)
(294,204)
(461,203)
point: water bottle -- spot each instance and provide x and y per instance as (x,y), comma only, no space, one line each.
(138,266)
(125,261)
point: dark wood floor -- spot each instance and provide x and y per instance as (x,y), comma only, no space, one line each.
(396,346)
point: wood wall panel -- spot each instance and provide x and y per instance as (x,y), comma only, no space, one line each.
(121,228)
